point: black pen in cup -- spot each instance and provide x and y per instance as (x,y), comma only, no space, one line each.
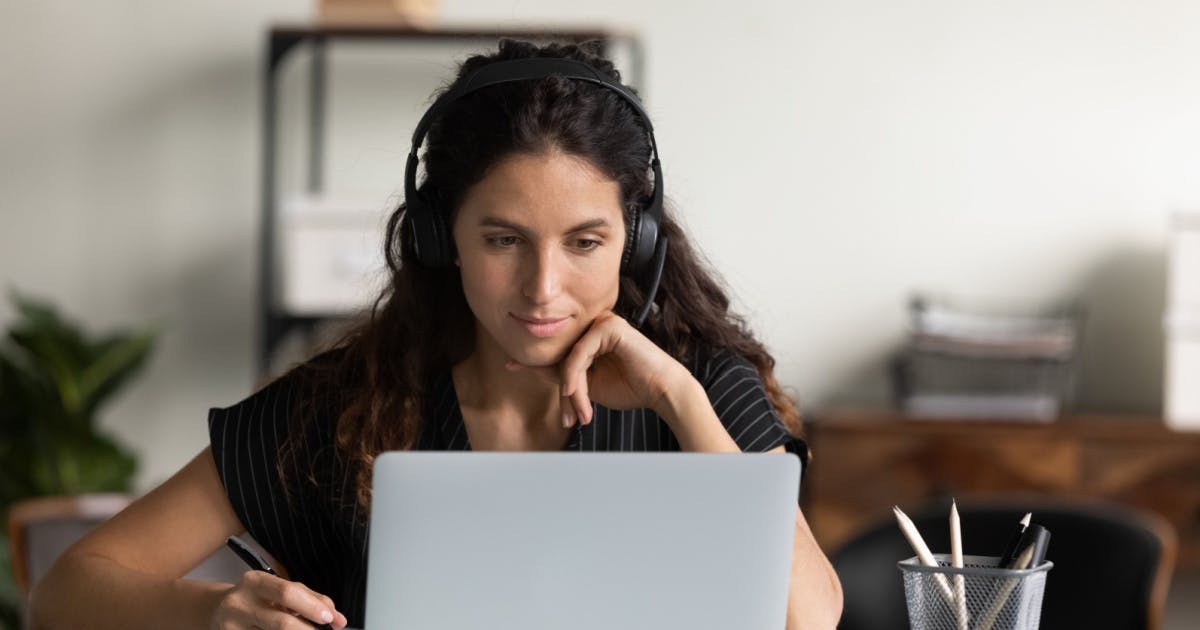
(256,562)
(1036,538)
(1010,550)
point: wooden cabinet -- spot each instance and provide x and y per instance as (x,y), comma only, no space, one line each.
(866,461)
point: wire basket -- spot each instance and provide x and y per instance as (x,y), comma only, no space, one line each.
(979,596)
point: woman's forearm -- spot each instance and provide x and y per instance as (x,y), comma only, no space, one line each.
(687,411)
(89,591)
(815,593)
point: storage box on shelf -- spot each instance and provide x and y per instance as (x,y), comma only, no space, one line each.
(965,364)
(331,255)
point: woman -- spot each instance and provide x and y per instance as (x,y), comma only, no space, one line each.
(510,333)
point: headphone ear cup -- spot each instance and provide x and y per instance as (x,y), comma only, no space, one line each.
(430,238)
(631,238)
(640,243)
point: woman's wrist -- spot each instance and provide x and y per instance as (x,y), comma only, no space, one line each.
(197,600)
(689,414)
(680,392)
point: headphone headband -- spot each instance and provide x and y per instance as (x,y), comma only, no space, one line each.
(521,70)
(526,69)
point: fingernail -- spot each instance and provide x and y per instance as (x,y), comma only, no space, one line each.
(326,616)
(566,420)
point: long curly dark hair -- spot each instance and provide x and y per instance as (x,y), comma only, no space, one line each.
(376,386)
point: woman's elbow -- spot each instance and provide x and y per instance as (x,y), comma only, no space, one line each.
(68,594)
(821,607)
(833,599)
(43,602)
(836,600)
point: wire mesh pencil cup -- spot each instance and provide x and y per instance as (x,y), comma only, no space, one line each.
(979,596)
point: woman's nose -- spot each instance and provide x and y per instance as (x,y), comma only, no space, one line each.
(543,276)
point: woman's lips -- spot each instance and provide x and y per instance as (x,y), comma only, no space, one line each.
(542,327)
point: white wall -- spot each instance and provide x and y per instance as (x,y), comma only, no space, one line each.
(830,158)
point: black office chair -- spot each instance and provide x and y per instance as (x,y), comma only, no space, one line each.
(1112,563)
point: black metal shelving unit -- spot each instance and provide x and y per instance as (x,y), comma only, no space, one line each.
(274,322)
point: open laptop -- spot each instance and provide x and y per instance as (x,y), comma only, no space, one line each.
(535,541)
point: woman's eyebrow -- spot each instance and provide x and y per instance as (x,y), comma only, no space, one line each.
(586,225)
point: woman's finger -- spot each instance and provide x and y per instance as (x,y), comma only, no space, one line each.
(597,340)
(271,618)
(569,417)
(296,597)
(576,407)
(579,401)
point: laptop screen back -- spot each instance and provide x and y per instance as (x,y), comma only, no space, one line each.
(583,541)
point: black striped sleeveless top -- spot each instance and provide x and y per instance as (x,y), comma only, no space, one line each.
(323,543)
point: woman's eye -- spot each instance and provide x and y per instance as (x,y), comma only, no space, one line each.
(587,243)
(503,241)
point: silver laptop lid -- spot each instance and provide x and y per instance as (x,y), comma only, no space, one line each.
(535,541)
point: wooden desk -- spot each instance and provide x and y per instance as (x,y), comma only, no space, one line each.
(866,461)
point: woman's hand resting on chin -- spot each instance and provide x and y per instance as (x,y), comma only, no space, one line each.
(614,365)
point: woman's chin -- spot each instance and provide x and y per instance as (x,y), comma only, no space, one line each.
(539,355)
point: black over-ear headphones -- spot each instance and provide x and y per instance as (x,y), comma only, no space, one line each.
(645,248)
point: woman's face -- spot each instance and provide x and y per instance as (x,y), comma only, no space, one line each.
(539,242)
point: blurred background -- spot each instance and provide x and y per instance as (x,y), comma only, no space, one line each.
(1014,161)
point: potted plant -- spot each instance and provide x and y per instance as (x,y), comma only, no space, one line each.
(53,379)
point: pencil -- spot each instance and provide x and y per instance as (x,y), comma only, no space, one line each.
(956,560)
(914,537)
(1022,562)
(923,554)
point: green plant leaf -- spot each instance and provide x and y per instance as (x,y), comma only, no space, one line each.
(94,463)
(15,391)
(56,347)
(117,359)
(53,362)
(30,414)
(42,319)
(52,379)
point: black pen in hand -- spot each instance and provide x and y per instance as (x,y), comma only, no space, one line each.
(256,562)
